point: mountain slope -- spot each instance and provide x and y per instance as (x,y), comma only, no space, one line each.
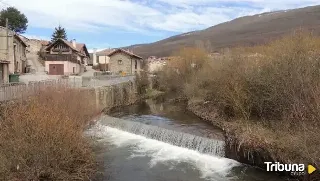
(248,30)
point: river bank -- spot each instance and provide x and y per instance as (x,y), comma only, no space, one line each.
(265,98)
(41,136)
(254,144)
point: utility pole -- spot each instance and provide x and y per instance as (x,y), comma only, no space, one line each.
(7,36)
(105,62)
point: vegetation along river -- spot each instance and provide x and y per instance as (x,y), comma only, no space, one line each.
(164,142)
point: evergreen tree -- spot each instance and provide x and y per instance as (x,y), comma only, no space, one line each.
(17,21)
(59,33)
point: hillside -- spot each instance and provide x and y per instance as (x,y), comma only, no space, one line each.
(248,30)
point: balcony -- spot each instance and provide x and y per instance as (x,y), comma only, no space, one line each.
(61,57)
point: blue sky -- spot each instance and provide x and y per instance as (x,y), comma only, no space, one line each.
(115,23)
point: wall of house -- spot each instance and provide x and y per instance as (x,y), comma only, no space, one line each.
(4,75)
(3,47)
(86,60)
(20,52)
(103,59)
(68,66)
(94,60)
(127,66)
(136,69)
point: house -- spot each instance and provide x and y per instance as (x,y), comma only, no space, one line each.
(118,61)
(19,55)
(64,57)
(123,61)
(101,59)
(13,60)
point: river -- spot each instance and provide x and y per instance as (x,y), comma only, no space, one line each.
(164,142)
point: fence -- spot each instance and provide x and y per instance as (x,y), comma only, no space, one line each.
(18,91)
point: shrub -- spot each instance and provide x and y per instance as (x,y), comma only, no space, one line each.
(42,138)
(142,83)
(180,68)
(275,85)
(277,82)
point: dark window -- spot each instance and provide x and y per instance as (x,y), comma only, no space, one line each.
(136,64)
(119,62)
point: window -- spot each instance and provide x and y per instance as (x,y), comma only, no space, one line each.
(136,64)
(120,62)
(74,69)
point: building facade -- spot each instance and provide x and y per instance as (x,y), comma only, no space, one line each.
(66,58)
(12,55)
(124,62)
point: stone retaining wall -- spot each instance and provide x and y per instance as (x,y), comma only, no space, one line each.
(115,95)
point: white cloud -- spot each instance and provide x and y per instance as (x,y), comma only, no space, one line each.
(36,37)
(143,16)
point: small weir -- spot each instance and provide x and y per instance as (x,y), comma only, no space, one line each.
(166,145)
(136,151)
(185,140)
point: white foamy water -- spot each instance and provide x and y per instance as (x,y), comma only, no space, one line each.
(176,138)
(210,167)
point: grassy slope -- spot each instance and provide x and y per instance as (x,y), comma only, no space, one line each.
(248,30)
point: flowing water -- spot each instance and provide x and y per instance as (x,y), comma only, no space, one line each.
(164,142)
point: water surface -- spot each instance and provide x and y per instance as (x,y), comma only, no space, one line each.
(164,142)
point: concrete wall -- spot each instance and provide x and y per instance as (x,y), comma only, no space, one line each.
(127,66)
(68,66)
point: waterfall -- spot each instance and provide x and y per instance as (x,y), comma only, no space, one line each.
(185,140)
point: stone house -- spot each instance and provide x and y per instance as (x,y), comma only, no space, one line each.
(124,62)
(118,61)
(15,60)
(65,58)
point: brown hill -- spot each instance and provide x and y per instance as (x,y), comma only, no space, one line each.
(248,30)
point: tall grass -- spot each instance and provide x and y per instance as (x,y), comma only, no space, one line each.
(275,87)
(42,138)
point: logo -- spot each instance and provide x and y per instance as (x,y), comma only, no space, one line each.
(311,169)
(294,169)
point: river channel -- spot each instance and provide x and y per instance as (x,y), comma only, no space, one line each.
(153,141)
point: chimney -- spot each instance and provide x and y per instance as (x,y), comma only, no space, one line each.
(94,57)
(73,41)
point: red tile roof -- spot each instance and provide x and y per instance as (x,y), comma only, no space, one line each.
(105,52)
(44,42)
(124,51)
